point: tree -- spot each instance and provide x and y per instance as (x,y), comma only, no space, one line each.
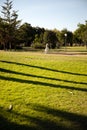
(38,42)
(2,34)
(50,38)
(58,35)
(80,34)
(38,38)
(27,34)
(69,37)
(9,24)
(84,34)
(62,36)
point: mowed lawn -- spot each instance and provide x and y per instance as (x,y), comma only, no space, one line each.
(47,91)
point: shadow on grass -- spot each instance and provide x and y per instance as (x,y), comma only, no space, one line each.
(79,121)
(31,75)
(41,83)
(7,125)
(39,67)
(51,119)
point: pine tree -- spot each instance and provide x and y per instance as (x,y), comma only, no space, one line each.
(10,24)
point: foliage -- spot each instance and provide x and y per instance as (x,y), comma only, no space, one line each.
(13,35)
(8,25)
(69,37)
(26,34)
(58,35)
(50,38)
(38,45)
(81,34)
(38,42)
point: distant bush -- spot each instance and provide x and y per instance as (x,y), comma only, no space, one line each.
(38,45)
(19,47)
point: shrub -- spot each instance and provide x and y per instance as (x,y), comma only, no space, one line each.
(38,45)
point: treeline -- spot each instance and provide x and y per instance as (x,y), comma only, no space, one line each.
(13,35)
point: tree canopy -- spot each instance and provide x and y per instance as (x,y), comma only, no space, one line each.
(13,33)
(81,34)
(8,25)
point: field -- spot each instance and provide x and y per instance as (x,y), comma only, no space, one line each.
(47,91)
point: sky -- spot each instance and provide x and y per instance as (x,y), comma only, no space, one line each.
(51,14)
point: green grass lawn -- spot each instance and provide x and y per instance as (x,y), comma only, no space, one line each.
(47,91)
(71,50)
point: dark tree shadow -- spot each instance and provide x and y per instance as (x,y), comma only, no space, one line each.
(44,68)
(8,125)
(77,122)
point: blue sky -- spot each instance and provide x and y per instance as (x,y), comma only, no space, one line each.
(51,14)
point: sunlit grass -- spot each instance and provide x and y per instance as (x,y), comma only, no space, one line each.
(47,91)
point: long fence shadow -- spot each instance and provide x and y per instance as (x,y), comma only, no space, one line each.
(44,68)
(76,121)
(41,83)
(43,77)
